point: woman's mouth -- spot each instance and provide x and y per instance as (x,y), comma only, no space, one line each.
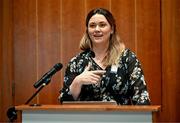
(97,35)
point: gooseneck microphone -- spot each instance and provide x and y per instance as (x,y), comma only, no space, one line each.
(48,75)
(12,113)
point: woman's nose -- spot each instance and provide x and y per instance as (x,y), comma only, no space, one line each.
(97,28)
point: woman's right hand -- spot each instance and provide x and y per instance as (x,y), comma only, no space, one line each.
(85,78)
(89,77)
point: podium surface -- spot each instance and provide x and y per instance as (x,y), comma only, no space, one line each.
(87,113)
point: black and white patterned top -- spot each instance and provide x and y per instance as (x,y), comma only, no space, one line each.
(123,83)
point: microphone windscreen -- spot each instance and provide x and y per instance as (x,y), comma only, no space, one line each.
(58,66)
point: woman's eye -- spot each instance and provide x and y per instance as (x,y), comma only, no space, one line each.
(92,25)
(102,25)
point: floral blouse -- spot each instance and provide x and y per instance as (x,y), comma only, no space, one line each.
(123,83)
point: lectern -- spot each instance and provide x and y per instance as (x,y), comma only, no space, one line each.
(87,113)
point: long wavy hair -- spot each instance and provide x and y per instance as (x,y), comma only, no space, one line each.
(115,47)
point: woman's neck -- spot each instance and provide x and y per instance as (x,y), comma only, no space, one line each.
(100,53)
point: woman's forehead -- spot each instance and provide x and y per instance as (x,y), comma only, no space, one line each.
(98,18)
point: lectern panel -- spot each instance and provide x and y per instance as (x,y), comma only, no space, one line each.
(85,117)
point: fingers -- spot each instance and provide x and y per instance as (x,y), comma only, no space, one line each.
(99,72)
(92,77)
(94,80)
(96,77)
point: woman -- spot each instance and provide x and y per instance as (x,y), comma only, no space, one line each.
(105,70)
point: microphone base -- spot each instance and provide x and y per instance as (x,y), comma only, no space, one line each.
(12,114)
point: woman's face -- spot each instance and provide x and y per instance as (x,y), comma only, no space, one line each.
(99,29)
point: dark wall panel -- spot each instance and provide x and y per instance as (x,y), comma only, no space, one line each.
(6,58)
(148,44)
(48,46)
(25,50)
(171,60)
(91,4)
(73,28)
(124,13)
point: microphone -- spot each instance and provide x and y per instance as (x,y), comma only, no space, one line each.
(48,75)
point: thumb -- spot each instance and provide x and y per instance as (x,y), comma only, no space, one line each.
(88,67)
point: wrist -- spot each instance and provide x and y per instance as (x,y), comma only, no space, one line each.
(75,88)
(77,81)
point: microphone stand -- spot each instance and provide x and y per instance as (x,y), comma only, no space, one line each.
(12,113)
(41,87)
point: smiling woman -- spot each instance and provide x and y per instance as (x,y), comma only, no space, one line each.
(114,74)
(99,30)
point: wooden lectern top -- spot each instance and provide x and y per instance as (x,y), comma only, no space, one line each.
(100,107)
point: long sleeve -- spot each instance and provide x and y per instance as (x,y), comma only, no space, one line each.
(70,74)
(138,87)
(75,67)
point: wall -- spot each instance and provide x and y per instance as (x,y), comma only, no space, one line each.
(47,32)
(6,57)
(171,60)
(39,33)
